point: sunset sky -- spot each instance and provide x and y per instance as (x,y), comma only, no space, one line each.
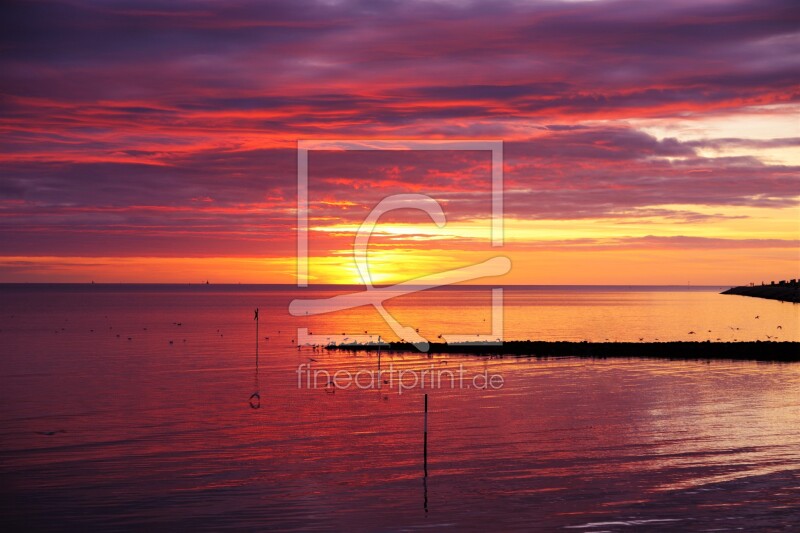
(644,142)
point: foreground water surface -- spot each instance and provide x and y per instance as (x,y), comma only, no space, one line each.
(142,407)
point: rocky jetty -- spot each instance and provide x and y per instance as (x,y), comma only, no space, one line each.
(785,291)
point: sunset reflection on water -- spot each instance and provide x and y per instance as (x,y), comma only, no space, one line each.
(102,431)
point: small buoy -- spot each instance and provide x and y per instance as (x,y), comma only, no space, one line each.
(255,401)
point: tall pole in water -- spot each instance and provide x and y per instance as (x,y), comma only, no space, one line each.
(255,398)
(425,439)
(256,319)
(425,457)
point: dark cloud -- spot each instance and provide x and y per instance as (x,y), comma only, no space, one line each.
(580,55)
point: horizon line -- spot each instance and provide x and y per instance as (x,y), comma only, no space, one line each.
(293,285)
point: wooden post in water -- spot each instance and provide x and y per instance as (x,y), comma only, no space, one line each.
(256,319)
(379,356)
(255,398)
(425,493)
(425,439)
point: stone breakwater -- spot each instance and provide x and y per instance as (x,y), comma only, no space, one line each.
(787,352)
(788,291)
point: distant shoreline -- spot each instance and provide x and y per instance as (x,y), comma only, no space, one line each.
(786,292)
(340,287)
(768,351)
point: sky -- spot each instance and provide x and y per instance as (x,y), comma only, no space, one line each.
(643,142)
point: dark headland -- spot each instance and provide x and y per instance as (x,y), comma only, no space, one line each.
(786,352)
(785,291)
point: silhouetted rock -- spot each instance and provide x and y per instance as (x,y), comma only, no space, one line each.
(786,292)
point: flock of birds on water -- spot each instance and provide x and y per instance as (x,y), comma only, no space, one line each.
(366,333)
(734,329)
(344,337)
(324,347)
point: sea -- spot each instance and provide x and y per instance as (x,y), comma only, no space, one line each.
(170,408)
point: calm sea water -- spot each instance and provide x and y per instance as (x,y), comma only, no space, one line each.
(141,407)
